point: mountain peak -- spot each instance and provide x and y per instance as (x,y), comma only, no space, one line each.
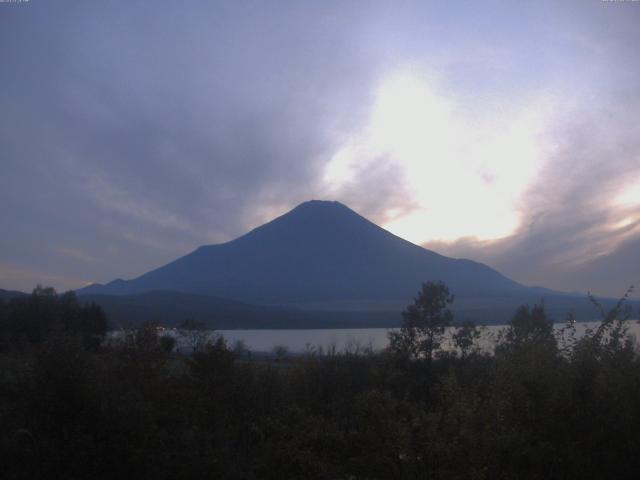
(320,250)
(313,220)
(321,207)
(317,204)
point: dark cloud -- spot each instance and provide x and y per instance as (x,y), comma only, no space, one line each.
(140,133)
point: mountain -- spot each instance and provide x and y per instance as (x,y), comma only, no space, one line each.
(318,252)
(319,265)
(9,294)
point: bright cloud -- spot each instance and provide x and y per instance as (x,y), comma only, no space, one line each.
(629,197)
(464,171)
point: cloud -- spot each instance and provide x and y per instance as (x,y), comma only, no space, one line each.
(452,170)
(134,134)
(158,130)
(21,278)
(76,254)
(580,222)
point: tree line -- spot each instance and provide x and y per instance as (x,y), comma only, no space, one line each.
(540,405)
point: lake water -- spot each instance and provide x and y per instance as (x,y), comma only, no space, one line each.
(300,341)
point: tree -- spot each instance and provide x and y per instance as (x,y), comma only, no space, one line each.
(167,343)
(611,337)
(530,326)
(424,322)
(465,337)
(195,334)
(212,365)
(36,317)
(280,351)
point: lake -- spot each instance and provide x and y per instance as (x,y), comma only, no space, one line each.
(300,341)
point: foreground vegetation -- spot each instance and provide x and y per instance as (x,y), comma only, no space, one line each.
(539,406)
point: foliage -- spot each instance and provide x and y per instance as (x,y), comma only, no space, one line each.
(424,322)
(195,334)
(466,337)
(135,409)
(280,351)
(34,318)
(529,329)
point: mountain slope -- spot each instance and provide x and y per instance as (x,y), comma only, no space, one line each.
(9,294)
(319,251)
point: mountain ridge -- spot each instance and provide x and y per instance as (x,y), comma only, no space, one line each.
(318,251)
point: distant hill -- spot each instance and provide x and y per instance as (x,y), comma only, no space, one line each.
(9,294)
(169,308)
(321,264)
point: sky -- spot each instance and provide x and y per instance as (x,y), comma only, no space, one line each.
(505,132)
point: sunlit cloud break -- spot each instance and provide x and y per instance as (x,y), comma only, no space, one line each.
(464,171)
